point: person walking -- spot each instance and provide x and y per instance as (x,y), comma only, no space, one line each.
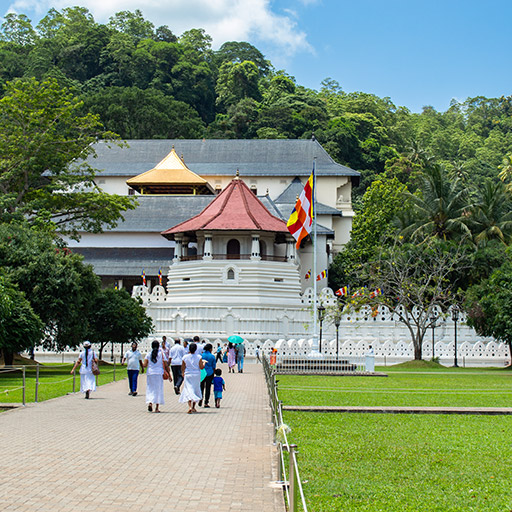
(218,354)
(133,358)
(218,386)
(87,378)
(199,345)
(166,348)
(231,357)
(157,372)
(191,367)
(209,367)
(240,355)
(175,359)
(258,354)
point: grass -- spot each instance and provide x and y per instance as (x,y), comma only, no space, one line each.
(393,462)
(423,387)
(54,380)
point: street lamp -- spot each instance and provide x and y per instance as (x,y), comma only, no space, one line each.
(337,321)
(321,315)
(433,320)
(455,317)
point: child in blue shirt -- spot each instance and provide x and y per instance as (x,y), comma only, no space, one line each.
(218,387)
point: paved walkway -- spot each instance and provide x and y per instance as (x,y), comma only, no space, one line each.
(109,454)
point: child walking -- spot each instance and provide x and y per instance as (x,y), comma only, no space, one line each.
(218,387)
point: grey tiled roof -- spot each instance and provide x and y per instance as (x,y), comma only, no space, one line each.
(127,261)
(286,201)
(217,157)
(155,214)
(158,213)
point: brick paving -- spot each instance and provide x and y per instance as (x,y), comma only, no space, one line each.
(109,453)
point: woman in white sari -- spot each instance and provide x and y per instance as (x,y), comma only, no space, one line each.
(157,367)
(191,367)
(87,378)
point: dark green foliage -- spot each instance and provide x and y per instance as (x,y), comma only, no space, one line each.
(117,318)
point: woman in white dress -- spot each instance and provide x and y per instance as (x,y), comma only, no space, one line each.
(156,365)
(87,378)
(191,367)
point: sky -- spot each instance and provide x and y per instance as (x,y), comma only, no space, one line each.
(417,52)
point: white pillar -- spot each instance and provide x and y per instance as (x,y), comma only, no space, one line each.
(291,253)
(178,247)
(207,251)
(255,250)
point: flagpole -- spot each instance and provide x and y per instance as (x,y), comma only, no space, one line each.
(314,347)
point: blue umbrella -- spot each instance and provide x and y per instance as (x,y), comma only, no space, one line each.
(235,339)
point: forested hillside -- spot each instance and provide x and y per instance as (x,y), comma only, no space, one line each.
(146,82)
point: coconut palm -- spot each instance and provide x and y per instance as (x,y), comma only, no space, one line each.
(491,217)
(440,208)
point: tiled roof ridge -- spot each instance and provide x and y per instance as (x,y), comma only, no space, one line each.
(246,203)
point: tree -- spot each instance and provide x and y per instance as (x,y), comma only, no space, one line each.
(489,305)
(234,51)
(18,29)
(491,216)
(20,327)
(440,209)
(117,318)
(412,280)
(58,286)
(373,228)
(44,140)
(237,81)
(133,24)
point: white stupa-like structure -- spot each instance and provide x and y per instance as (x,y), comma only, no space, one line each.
(234,271)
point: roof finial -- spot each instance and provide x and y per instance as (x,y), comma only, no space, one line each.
(182,159)
(267,191)
(237,175)
(173,146)
(313,136)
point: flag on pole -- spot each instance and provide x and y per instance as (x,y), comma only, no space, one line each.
(358,293)
(308,274)
(322,275)
(342,291)
(160,276)
(301,220)
(143,275)
(375,293)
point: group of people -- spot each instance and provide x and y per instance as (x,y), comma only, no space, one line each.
(233,354)
(180,364)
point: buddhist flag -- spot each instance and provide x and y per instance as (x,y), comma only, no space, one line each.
(160,276)
(301,220)
(322,275)
(308,274)
(143,275)
(342,291)
(375,293)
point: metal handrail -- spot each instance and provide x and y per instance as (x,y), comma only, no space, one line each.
(292,486)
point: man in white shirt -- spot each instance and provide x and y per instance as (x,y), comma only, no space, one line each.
(134,359)
(175,358)
(200,346)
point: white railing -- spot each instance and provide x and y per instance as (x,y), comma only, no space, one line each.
(288,477)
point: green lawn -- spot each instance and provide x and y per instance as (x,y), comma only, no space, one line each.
(54,380)
(396,462)
(457,388)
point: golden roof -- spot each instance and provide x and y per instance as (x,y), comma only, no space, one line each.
(170,172)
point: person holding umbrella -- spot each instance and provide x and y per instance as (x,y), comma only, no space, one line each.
(238,342)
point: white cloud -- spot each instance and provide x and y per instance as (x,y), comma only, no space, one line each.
(224,20)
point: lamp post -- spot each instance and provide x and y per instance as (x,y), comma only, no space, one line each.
(337,321)
(321,314)
(433,321)
(455,317)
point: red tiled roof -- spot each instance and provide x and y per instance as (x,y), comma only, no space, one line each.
(235,208)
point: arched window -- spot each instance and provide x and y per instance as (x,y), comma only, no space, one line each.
(231,274)
(233,249)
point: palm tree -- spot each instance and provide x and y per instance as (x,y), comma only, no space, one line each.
(491,217)
(440,209)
